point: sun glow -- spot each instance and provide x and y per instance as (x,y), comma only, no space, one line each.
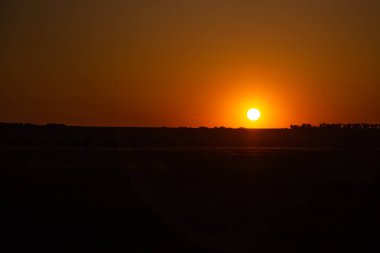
(253,114)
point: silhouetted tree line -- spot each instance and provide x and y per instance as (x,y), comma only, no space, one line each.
(305,135)
(337,126)
(3,124)
(302,126)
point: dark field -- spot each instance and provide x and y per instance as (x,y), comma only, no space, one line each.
(94,199)
(87,189)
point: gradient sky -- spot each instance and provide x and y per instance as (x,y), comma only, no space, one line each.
(189,63)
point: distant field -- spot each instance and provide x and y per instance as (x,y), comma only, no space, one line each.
(190,199)
(19,135)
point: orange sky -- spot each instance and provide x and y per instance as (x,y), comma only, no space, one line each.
(189,63)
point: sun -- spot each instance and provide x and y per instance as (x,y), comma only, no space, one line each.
(253,114)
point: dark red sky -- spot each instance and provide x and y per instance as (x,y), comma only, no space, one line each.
(189,63)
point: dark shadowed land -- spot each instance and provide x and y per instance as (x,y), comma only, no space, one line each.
(305,136)
(87,189)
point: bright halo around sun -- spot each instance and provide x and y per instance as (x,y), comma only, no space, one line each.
(253,114)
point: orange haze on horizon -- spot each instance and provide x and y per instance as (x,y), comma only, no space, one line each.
(189,63)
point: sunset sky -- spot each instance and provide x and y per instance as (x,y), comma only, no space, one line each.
(189,63)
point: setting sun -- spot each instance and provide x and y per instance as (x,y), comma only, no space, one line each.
(253,114)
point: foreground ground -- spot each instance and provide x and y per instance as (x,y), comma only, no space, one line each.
(83,199)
